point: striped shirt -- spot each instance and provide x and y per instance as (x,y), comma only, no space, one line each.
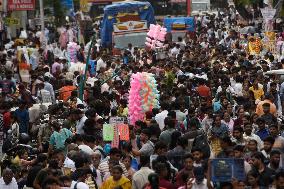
(104,168)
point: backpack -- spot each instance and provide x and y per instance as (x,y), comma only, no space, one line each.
(201,142)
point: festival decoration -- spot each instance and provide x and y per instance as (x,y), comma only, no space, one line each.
(279,48)
(156,36)
(115,141)
(72,49)
(269,41)
(143,95)
(254,45)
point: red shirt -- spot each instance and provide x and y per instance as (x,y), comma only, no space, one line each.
(166,184)
(7,120)
(203,91)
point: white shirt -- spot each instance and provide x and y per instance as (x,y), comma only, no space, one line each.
(180,116)
(238,88)
(254,137)
(202,185)
(104,88)
(140,178)
(80,125)
(229,90)
(80,185)
(174,51)
(12,185)
(100,64)
(160,118)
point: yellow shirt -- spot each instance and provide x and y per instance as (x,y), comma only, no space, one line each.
(258,93)
(124,183)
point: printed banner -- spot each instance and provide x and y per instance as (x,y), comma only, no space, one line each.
(115,141)
(84,5)
(21,5)
(179,23)
(267,13)
(116,120)
(223,170)
(108,132)
(11,21)
(130,26)
(123,132)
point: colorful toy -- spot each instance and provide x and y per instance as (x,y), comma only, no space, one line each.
(72,49)
(143,95)
(156,36)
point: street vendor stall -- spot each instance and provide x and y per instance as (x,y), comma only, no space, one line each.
(179,26)
(126,22)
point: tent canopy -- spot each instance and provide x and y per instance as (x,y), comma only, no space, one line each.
(143,10)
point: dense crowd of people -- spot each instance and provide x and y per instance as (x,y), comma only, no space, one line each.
(215,102)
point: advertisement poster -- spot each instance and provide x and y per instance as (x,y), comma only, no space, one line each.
(21,5)
(224,169)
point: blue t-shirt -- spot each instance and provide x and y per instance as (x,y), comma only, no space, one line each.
(23,118)
(58,139)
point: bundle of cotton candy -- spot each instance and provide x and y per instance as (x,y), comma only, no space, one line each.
(135,106)
(72,49)
(156,36)
(143,95)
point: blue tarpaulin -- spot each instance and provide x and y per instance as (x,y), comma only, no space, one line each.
(188,21)
(69,5)
(144,9)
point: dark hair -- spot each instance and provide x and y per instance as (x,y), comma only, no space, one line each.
(91,113)
(118,167)
(279,174)
(274,152)
(159,167)
(114,151)
(164,106)
(127,156)
(269,139)
(126,146)
(182,141)
(170,122)
(188,156)
(240,129)
(146,132)
(64,178)
(266,105)
(144,161)
(258,155)
(83,171)
(153,179)
(194,122)
(252,140)
(49,181)
(239,148)
(172,115)
(53,164)
(55,125)
(160,145)
(273,125)
(141,124)
(196,149)
(41,158)
(253,173)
